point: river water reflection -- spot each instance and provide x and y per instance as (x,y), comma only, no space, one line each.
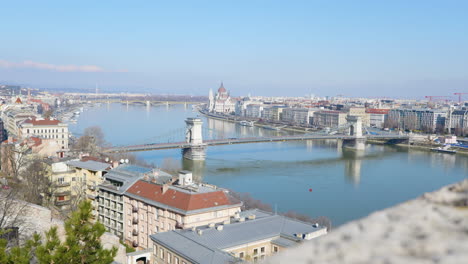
(345,184)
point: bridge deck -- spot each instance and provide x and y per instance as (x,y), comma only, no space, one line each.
(217,142)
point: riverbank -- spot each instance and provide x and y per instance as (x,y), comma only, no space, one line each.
(421,146)
(429,229)
(263,124)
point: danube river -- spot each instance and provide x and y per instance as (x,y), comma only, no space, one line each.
(314,177)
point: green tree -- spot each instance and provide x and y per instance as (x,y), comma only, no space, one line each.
(82,243)
(20,254)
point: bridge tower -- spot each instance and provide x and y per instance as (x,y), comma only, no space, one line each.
(193,136)
(355,130)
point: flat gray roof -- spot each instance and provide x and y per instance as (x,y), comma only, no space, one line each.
(89,165)
(282,229)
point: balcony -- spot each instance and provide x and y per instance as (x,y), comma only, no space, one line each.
(63,193)
(62,184)
(135,232)
(62,203)
(135,209)
(135,220)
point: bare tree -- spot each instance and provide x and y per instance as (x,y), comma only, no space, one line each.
(36,184)
(91,140)
(13,212)
(171,166)
(14,159)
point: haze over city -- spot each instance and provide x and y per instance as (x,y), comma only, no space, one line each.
(374,48)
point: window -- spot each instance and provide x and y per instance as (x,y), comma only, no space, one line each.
(156,229)
(61,198)
(255,251)
(129,233)
(161,253)
(255,259)
(27,131)
(275,249)
(61,180)
(129,222)
(262,249)
(169,258)
(241,255)
(176,260)
(155,250)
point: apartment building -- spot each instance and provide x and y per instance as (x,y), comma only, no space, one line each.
(377,117)
(427,120)
(45,128)
(361,112)
(272,113)
(111,194)
(297,115)
(329,118)
(457,120)
(153,206)
(87,175)
(74,179)
(254,110)
(250,236)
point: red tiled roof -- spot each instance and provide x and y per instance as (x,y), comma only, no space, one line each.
(178,199)
(377,111)
(37,141)
(18,101)
(43,122)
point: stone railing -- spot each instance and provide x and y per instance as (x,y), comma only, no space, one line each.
(430,229)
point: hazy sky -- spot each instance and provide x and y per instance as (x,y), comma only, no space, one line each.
(374,48)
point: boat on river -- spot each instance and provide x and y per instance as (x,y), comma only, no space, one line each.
(277,128)
(246,123)
(444,149)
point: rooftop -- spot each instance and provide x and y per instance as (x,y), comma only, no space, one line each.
(212,241)
(42,122)
(89,165)
(179,198)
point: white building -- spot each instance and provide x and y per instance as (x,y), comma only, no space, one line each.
(254,110)
(221,102)
(46,129)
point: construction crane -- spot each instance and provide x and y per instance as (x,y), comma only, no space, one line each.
(434,96)
(459,96)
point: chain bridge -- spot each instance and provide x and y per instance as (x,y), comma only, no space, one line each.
(194,138)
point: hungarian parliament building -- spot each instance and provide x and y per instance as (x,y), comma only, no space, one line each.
(221,102)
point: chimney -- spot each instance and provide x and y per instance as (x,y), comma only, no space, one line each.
(115,164)
(185,178)
(200,232)
(165,187)
(251,217)
(219,228)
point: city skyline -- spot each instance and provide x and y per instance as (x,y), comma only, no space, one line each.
(397,49)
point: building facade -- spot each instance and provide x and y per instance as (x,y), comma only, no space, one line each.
(457,121)
(47,129)
(111,202)
(251,236)
(329,118)
(377,117)
(153,207)
(221,102)
(427,120)
(361,112)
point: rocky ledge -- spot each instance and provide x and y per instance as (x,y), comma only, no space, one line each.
(430,229)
